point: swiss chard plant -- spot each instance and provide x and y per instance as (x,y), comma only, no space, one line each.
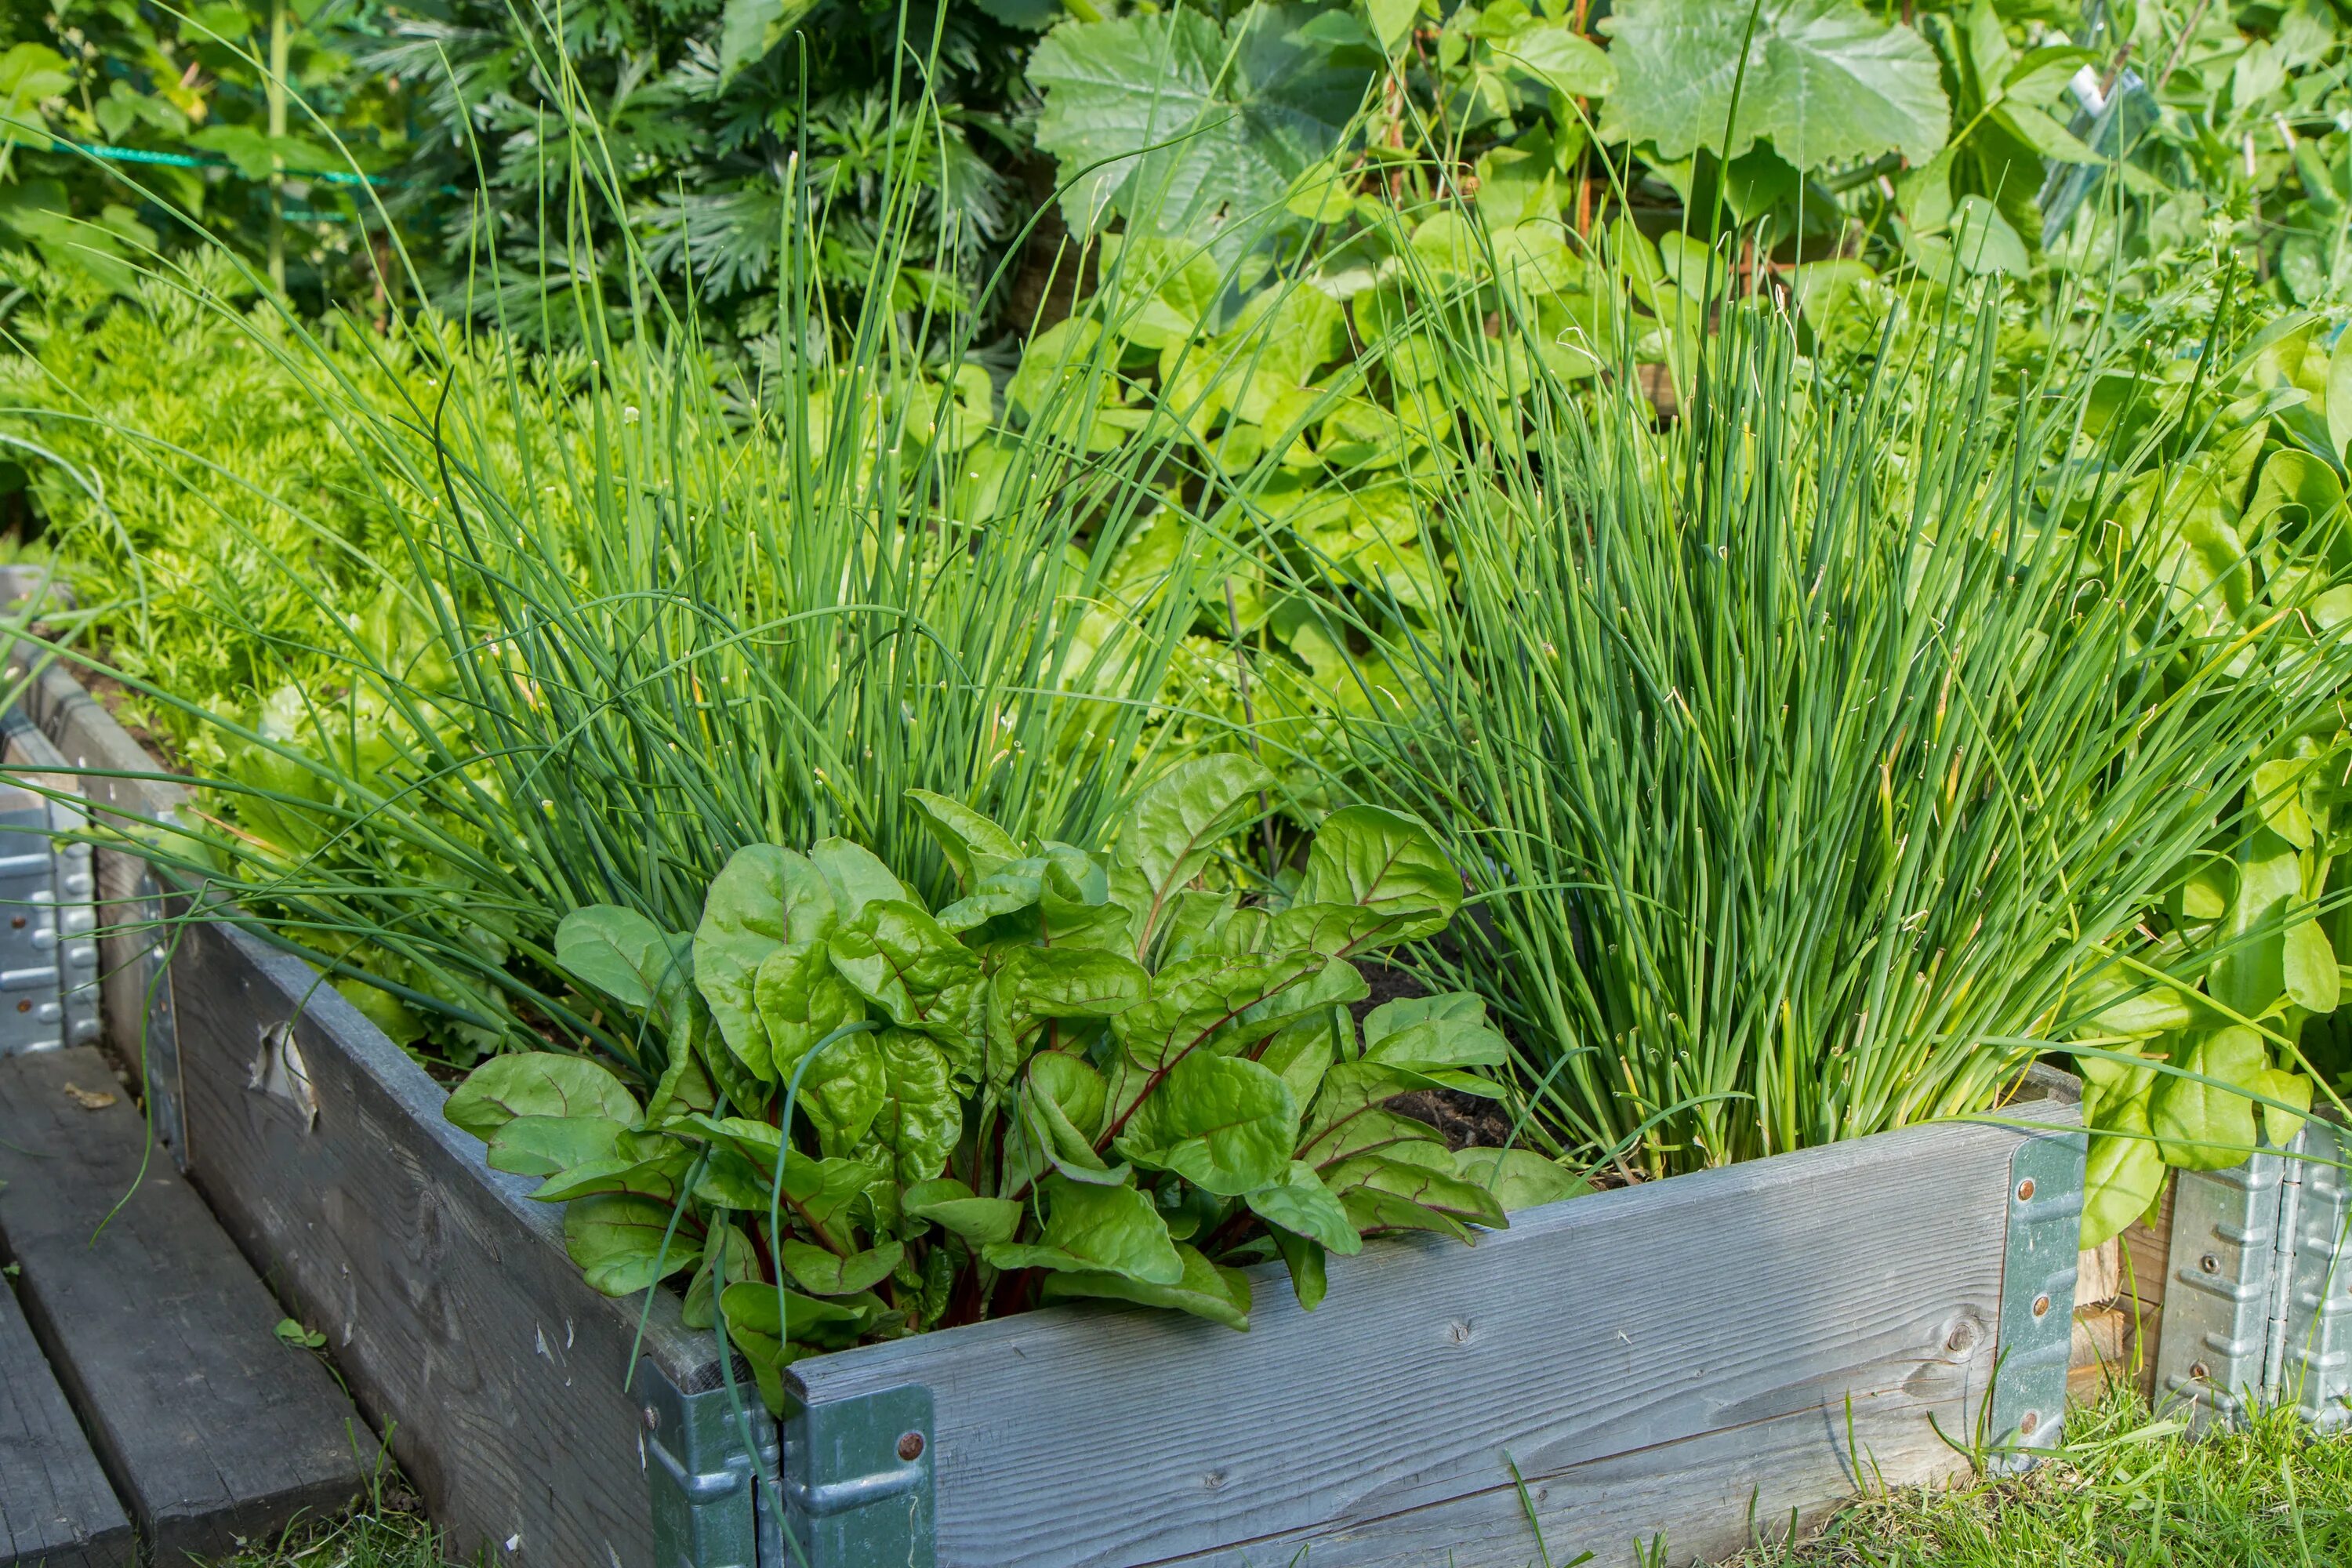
(1088,1075)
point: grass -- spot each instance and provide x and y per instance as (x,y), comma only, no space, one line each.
(2130,1490)
(387,1530)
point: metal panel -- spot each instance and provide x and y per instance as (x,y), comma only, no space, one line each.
(48,949)
(857,1480)
(2313,1334)
(707,1513)
(2037,1297)
(2217,1303)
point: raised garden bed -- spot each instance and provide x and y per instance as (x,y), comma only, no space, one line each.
(1700,1359)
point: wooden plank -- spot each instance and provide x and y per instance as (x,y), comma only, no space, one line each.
(444,1293)
(55,1507)
(2101,1352)
(211,1427)
(1600,1327)
(1697,1499)
(2147,1259)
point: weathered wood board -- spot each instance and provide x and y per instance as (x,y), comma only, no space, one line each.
(55,1507)
(1646,1358)
(445,1292)
(210,1425)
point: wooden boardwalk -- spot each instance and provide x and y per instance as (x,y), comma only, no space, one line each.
(143,1382)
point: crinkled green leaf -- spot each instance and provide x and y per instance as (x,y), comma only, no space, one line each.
(921,1117)
(763,898)
(823,1273)
(950,1205)
(617,1241)
(800,998)
(1201,1288)
(538,1083)
(1174,830)
(855,877)
(1225,1123)
(1300,1203)
(973,845)
(1113,1229)
(1519,1178)
(1235,115)
(1386,864)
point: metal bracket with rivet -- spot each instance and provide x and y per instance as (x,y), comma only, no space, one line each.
(857,1480)
(49,916)
(708,1486)
(2220,1302)
(2037,1297)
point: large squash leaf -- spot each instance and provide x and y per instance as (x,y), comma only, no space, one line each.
(1825,81)
(1233,116)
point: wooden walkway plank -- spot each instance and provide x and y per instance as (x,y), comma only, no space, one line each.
(55,1509)
(211,1427)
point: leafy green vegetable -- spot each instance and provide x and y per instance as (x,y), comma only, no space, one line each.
(1050,1095)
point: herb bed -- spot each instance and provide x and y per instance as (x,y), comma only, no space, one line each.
(1704,1358)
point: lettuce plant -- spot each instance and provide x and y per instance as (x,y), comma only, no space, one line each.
(1085,1077)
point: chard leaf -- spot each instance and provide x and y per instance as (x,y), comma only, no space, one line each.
(544,1145)
(1173,830)
(617,951)
(823,1273)
(800,998)
(2209,1126)
(1519,1178)
(1300,1203)
(1432,1040)
(1386,865)
(1397,1172)
(656,1179)
(1069,982)
(949,1204)
(973,845)
(1308,1263)
(538,1083)
(1201,1288)
(1199,997)
(855,877)
(1115,1230)
(920,1116)
(1225,1123)
(762,898)
(913,968)
(616,1239)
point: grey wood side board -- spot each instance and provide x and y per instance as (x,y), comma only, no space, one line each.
(1691,1359)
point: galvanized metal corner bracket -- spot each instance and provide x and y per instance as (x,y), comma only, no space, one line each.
(853,1478)
(2043,1240)
(857,1480)
(706,1484)
(48,915)
(2257,1308)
